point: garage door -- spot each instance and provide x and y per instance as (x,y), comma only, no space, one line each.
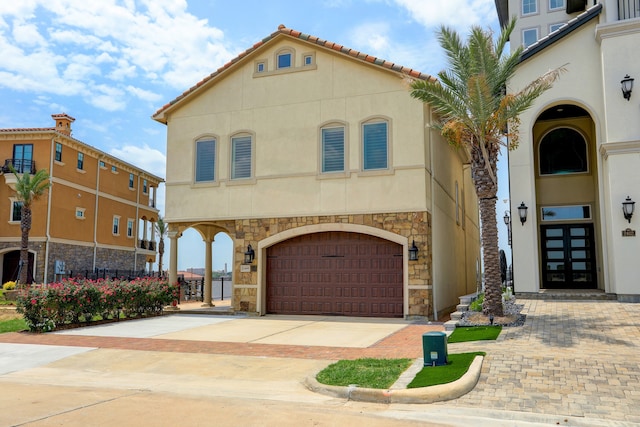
(335,273)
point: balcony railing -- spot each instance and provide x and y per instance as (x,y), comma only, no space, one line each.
(20,166)
(147,244)
(628,9)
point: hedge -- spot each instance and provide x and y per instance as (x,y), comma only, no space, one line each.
(74,301)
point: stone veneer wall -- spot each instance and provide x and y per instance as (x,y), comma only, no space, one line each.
(38,248)
(413,225)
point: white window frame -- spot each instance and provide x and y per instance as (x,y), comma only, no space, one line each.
(115,228)
(524,31)
(130,226)
(363,148)
(14,201)
(557,26)
(561,7)
(196,161)
(285,51)
(240,137)
(328,127)
(114,169)
(58,145)
(131,181)
(145,186)
(535,4)
(80,213)
(80,163)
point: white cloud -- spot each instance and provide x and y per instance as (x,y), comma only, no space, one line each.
(373,35)
(144,95)
(144,157)
(459,14)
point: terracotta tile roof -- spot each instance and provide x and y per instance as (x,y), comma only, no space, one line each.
(308,38)
(28,130)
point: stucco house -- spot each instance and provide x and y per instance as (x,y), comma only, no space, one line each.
(578,165)
(98,213)
(338,196)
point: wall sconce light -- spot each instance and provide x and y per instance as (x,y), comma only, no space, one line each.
(249,255)
(413,252)
(626,86)
(627,208)
(507,222)
(522,212)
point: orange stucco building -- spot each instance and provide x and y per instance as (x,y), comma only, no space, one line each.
(98,214)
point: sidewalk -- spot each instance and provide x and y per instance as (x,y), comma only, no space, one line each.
(572,363)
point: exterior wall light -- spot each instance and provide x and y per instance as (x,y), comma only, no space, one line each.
(507,222)
(627,208)
(249,255)
(626,85)
(413,252)
(522,212)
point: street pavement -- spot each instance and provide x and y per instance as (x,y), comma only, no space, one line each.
(573,363)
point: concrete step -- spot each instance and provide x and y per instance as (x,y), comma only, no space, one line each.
(450,325)
(462,307)
(456,315)
(568,295)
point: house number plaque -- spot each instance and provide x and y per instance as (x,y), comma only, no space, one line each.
(628,233)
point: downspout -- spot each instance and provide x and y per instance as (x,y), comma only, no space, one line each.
(135,228)
(433,210)
(48,238)
(95,216)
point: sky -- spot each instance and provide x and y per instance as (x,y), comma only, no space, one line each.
(111,64)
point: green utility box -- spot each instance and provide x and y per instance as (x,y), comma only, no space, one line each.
(434,346)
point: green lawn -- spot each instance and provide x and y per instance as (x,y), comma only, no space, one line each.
(475,333)
(367,373)
(12,325)
(433,375)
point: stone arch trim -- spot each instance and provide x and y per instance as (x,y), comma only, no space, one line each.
(318,228)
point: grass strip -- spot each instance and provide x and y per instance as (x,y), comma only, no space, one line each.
(475,333)
(13,325)
(433,375)
(367,372)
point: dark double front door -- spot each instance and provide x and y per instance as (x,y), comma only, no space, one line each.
(568,256)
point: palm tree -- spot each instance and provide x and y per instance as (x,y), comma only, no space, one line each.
(473,112)
(28,189)
(161,230)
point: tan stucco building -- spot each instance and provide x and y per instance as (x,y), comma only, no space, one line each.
(98,213)
(322,169)
(579,155)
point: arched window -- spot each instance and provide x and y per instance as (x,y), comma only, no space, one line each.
(563,151)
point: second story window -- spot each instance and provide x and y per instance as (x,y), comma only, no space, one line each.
(205,160)
(556,4)
(129,228)
(102,164)
(375,148)
(116,225)
(130,180)
(529,36)
(241,157)
(332,149)
(145,188)
(80,161)
(58,152)
(114,169)
(529,7)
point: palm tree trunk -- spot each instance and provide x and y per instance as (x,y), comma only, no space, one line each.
(160,254)
(25,227)
(491,255)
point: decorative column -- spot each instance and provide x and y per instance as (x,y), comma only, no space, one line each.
(208,266)
(173,256)
(144,233)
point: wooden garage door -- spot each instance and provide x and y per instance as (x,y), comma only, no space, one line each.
(335,273)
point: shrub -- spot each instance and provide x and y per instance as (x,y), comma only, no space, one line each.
(67,302)
(9,286)
(476,305)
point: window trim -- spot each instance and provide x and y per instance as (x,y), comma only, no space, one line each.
(312,56)
(102,164)
(258,63)
(114,169)
(242,134)
(80,211)
(58,153)
(206,138)
(80,163)
(557,24)
(524,30)
(130,228)
(132,182)
(370,121)
(536,11)
(145,186)
(586,148)
(13,201)
(333,124)
(115,225)
(554,9)
(285,51)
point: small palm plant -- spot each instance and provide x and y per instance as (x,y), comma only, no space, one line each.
(161,230)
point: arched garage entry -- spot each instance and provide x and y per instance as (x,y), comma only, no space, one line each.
(335,273)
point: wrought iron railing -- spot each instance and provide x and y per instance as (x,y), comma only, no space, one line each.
(19,165)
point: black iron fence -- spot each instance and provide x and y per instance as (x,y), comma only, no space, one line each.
(106,273)
(20,166)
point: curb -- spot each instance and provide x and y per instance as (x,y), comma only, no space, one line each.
(436,393)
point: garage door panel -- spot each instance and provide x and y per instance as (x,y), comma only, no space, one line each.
(335,273)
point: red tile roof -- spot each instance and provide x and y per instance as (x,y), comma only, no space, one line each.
(308,38)
(28,130)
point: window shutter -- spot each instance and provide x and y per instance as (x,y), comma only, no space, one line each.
(241,157)
(333,149)
(375,146)
(205,160)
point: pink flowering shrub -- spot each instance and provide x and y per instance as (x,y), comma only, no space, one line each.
(73,301)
